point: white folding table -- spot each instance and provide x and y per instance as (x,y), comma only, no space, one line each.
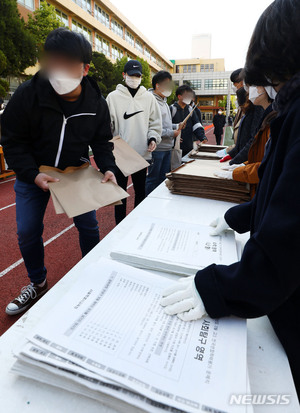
(268,367)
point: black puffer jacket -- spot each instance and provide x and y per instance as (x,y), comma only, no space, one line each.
(36,132)
(247,131)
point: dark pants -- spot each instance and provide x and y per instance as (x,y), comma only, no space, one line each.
(31,203)
(161,165)
(218,139)
(139,181)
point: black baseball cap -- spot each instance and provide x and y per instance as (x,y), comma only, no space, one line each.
(133,67)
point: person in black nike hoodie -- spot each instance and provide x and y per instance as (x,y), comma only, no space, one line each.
(266,280)
(52,120)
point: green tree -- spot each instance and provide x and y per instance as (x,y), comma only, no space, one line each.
(3,83)
(16,43)
(42,22)
(102,70)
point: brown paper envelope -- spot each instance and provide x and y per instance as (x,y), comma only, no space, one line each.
(80,189)
(57,206)
(127,159)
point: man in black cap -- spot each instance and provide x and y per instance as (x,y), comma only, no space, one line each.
(136,118)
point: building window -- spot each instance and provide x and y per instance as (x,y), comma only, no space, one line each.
(189,69)
(116,52)
(117,28)
(147,53)
(29,4)
(84,4)
(62,17)
(79,28)
(153,58)
(215,84)
(101,15)
(139,46)
(206,102)
(177,69)
(194,84)
(129,38)
(159,62)
(207,117)
(102,45)
(207,68)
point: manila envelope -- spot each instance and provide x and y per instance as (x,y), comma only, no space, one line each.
(127,159)
(80,190)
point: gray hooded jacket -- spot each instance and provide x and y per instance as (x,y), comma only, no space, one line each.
(167,138)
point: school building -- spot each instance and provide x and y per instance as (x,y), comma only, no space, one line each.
(209,80)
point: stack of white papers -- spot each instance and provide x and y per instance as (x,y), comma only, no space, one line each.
(109,339)
(175,247)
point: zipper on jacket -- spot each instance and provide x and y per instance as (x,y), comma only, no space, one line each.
(62,134)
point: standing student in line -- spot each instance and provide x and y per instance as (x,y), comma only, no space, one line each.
(193,130)
(136,118)
(52,119)
(161,157)
(266,280)
(219,122)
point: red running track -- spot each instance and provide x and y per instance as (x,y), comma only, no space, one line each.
(61,253)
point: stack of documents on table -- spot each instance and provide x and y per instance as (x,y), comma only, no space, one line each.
(174,247)
(196,178)
(199,154)
(210,148)
(80,190)
(109,339)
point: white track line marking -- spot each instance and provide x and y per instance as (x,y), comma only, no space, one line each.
(7,206)
(17,263)
(9,180)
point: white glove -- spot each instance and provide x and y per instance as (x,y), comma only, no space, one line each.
(232,167)
(221,153)
(184,300)
(224,174)
(219,225)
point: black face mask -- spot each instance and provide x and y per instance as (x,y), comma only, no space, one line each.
(241,95)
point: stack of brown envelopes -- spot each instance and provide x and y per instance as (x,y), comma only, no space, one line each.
(206,152)
(196,178)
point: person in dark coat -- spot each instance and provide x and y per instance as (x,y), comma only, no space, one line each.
(248,128)
(193,130)
(53,119)
(219,122)
(266,280)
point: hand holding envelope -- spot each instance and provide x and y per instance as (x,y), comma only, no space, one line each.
(80,190)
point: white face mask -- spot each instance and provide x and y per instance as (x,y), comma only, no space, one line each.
(167,93)
(132,81)
(220,113)
(186,101)
(234,88)
(253,93)
(62,83)
(271,92)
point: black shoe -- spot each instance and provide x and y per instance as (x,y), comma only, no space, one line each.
(28,296)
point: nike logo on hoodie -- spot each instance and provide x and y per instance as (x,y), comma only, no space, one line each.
(127,116)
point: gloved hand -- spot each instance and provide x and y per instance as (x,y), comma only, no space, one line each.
(219,225)
(221,153)
(224,174)
(232,167)
(226,158)
(184,300)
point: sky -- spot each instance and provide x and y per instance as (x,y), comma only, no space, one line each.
(170,25)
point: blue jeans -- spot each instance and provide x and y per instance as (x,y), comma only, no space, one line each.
(161,165)
(31,203)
